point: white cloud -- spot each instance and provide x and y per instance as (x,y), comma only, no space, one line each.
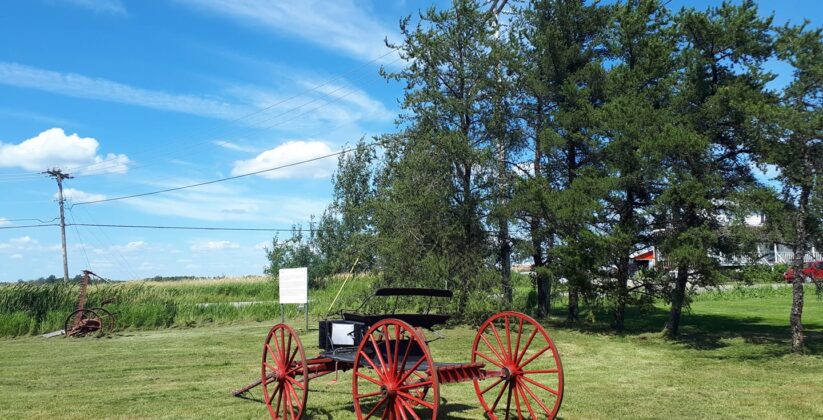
(79,86)
(111,7)
(23,240)
(214,246)
(262,245)
(78,196)
(4,221)
(234,146)
(16,256)
(53,148)
(131,246)
(291,152)
(341,25)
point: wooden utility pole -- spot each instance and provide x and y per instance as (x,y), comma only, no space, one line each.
(58,175)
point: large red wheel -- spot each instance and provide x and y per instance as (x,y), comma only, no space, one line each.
(394,374)
(530,380)
(83,322)
(284,373)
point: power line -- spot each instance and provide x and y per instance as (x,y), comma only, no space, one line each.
(200,184)
(28,220)
(189,227)
(28,226)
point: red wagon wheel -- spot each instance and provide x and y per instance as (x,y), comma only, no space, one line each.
(530,380)
(394,374)
(285,374)
(107,317)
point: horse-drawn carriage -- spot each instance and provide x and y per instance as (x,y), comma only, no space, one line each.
(514,366)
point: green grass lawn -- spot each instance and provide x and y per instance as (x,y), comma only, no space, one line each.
(731,363)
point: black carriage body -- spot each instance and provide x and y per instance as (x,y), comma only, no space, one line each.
(336,334)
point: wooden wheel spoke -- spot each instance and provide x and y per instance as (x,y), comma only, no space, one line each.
(499,342)
(517,403)
(508,337)
(282,351)
(509,402)
(489,359)
(292,356)
(272,368)
(488,388)
(526,401)
(373,366)
(408,408)
(535,397)
(414,385)
(415,399)
(407,373)
(278,391)
(539,385)
(399,410)
(536,371)
(519,335)
(387,345)
(377,350)
(376,407)
(497,400)
(531,359)
(526,347)
(369,378)
(406,355)
(486,340)
(271,353)
(396,349)
(295,382)
(368,394)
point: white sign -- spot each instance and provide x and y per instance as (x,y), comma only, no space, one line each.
(294,285)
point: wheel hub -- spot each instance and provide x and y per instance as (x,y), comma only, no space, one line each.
(388,391)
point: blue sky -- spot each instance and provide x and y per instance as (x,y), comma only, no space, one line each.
(137,96)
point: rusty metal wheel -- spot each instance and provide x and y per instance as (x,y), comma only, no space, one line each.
(83,322)
(108,319)
(284,373)
(394,376)
(529,382)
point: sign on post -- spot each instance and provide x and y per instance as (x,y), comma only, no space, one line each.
(294,289)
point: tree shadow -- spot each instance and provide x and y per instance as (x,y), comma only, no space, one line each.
(704,331)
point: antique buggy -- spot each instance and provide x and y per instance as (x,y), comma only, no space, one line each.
(514,365)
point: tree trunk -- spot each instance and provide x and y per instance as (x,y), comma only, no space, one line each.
(505,262)
(672,329)
(573,313)
(622,294)
(795,318)
(543,285)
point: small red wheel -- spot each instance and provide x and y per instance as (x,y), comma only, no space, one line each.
(529,375)
(284,373)
(404,383)
(107,317)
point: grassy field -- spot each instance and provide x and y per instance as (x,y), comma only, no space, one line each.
(730,363)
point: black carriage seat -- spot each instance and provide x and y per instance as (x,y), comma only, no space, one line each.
(422,320)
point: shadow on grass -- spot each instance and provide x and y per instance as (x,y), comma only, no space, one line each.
(705,331)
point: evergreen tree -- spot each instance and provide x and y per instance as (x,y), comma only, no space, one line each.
(707,156)
(796,150)
(634,122)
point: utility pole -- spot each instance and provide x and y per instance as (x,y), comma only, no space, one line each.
(503,237)
(58,175)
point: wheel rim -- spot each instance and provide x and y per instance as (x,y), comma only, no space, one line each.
(284,373)
(110,321)
(83,322)
(394,374)
(530,384)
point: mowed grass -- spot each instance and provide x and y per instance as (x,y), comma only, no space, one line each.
(731,363)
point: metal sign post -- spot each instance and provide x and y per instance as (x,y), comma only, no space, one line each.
(294,289)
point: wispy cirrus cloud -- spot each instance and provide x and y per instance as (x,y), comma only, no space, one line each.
(109,7)
(79,86)
(234,146)
(341,25)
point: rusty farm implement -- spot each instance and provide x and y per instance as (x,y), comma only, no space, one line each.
(88,321)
